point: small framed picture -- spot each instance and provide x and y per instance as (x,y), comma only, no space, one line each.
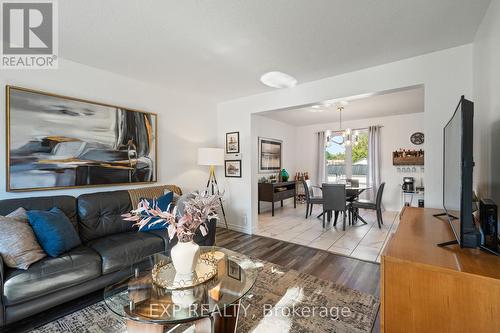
(233,270)
(233,168)
(233,143)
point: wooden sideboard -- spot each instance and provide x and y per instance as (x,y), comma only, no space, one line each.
(426,288)
(273,192)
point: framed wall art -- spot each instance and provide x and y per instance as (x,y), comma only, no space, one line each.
(269,155)
(56,142)
(233,168)
(233,143)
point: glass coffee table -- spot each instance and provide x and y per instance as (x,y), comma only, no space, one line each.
(148,307)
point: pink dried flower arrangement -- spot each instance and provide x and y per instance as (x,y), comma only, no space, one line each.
(198,210)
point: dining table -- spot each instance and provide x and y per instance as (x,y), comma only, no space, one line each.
(352,192)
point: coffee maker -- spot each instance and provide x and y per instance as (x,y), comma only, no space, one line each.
(408,184)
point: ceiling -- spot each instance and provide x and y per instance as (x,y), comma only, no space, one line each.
(359,107)
(221,47)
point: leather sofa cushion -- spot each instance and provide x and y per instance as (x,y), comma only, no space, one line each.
(100,214)
(122,250)
(65,203)
(50,275)
(209,239)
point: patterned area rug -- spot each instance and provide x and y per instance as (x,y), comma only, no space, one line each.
(281,301)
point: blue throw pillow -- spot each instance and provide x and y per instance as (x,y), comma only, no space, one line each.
(163,202)
(158,226)
(54,231)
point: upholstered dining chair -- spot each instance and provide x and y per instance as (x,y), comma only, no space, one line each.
(334,200)
(353,182)
(366,204)
(311,199)
(352,194)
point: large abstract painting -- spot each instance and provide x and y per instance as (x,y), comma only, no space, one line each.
(59,142)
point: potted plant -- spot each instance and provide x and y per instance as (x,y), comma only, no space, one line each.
(199,210)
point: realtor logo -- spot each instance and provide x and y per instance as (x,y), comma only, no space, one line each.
(29,34)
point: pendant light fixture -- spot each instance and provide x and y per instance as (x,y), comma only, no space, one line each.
(348,137)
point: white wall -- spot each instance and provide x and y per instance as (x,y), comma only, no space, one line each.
(394,134)
(237,190)
(185,121)
(487,103)
(446,75)
(269,128)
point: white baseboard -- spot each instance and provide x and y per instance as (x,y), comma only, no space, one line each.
(235,227)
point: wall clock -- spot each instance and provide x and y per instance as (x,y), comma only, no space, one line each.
(417,138)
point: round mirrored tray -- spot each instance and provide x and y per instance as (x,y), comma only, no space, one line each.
(164,274)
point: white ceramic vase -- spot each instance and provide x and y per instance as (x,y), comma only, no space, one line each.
(184,257)
(183,298)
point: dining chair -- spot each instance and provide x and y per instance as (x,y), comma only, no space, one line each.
(311,199)
(353,182)
(366,204)
(351,193)
(334,200)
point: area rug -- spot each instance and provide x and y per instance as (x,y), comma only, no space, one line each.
(281,301)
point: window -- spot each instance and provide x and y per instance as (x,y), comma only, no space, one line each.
(347,162)
(335,158)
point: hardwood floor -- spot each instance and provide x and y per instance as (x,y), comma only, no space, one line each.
(353,273)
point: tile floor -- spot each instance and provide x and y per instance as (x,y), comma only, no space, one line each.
(359,241)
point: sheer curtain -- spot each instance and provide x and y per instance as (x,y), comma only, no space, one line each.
(373,159)
(320,158)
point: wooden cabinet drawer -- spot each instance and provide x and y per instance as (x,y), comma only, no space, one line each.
(284,195)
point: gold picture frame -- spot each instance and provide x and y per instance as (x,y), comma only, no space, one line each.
(152,135)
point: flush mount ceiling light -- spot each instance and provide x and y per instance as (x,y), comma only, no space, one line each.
(321,107)
(316,108)
(278,80)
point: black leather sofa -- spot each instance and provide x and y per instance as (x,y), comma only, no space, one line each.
(110,246)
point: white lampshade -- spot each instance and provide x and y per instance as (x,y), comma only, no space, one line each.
(211,156)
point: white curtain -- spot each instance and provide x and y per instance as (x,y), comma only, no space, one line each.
(320,158)
(374,159)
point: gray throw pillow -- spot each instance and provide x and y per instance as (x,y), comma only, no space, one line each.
(18,245)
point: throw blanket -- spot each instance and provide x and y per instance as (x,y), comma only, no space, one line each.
(151,192)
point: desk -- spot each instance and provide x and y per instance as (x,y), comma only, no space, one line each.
(272,192)
(426,288)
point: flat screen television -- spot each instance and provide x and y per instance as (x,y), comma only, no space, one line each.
(458,164)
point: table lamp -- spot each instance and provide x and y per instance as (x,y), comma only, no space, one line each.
(212,157)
